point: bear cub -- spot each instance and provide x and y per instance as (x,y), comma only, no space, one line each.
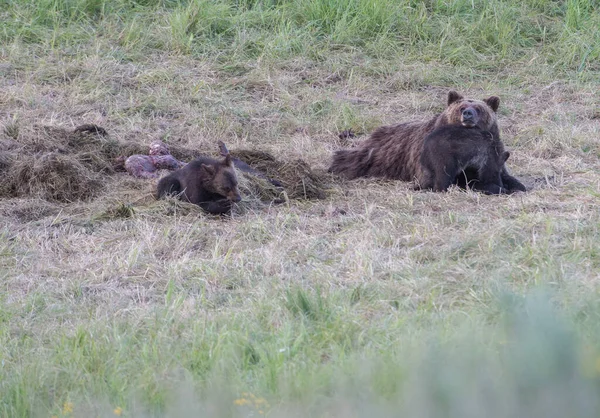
(452,150)
(206,182)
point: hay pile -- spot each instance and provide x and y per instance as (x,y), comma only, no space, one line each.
(51,176)
(54,164)
(61,165)
(299,181)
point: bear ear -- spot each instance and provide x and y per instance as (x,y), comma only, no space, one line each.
(222,148)
(228,161)
(208,169)
(493,102)
(505,155)
(454,96)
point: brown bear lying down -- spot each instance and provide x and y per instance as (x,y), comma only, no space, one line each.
(206,182)
(209,183)
(395,151)
(450,150)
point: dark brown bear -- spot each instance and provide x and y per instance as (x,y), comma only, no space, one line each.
(395,151)
(453,149)
(206,182)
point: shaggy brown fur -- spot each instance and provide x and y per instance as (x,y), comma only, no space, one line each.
(395,151)
(206,182)
(451,149)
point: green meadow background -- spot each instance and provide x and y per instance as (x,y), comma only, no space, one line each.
(376,301)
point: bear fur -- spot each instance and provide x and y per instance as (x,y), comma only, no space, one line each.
(394,151)
(206,182)
(450,150)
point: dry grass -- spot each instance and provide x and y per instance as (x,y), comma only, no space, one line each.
(110,296)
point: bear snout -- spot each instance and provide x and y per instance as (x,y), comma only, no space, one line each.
(234,197)
(468,113)
(469,117)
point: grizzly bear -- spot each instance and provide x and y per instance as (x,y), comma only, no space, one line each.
(452,149)
(395,151)
(206,182)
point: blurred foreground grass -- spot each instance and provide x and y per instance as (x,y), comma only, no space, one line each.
(523,357)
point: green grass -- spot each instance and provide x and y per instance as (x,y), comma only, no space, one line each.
(377,301)
(478,34)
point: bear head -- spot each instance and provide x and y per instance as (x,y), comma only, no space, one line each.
(469,112)
(220,178)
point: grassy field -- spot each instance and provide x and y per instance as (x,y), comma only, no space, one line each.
(375,301)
